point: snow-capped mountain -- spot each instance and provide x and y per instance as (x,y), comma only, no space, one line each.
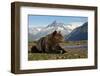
(34,30)
(37,33)
(74,25)
(56,26)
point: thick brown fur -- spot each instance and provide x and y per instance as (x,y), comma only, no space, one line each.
(49,44)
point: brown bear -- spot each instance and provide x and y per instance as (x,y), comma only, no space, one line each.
(49,44)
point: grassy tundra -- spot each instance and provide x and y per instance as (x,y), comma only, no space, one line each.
(71,53)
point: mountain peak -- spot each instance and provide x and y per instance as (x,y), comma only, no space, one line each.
(54,21)
(53,24)
(56,24)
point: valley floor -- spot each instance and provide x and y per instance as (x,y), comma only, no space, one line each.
(74,50)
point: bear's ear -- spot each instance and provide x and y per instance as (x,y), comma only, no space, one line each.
(54,33)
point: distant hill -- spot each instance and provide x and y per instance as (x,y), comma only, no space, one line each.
(80,33)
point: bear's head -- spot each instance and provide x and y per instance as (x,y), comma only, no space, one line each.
(57,37)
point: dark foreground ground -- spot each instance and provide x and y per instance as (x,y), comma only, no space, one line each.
(74,50)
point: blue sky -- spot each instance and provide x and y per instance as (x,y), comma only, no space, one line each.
(44,20)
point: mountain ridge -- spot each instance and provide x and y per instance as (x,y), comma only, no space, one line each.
(65,30)
(80,33)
